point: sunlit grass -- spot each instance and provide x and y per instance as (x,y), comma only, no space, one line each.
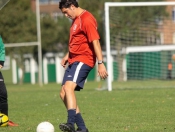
(127,109)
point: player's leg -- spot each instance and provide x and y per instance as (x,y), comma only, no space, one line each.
(69,88)
(78,118)
(80,121)
(68,96)
(84,71)
(4,100)
(3,96)
(74,78)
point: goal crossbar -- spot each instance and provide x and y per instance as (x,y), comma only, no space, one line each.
(107,29)
(112,4)
(21,44)
(154,48)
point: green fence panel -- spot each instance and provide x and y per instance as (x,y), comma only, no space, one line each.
(115,70)
(51,69)
(27,77)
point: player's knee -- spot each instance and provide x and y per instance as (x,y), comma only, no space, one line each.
(68,89)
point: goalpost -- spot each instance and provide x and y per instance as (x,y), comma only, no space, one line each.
(38,43)
(143,40)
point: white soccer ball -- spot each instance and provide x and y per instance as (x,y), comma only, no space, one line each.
(45,127)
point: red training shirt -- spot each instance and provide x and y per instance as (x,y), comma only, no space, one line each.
(82,32)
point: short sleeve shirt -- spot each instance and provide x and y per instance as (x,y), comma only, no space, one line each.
(82,33)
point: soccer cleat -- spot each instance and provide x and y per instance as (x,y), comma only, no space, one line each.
(67,127)
(11,123)
(80,130)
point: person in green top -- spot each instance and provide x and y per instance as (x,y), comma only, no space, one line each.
(3,90)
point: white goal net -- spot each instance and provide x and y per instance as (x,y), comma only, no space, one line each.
(140,43)
(3,3)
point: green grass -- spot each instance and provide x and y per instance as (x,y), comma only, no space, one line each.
(122,110)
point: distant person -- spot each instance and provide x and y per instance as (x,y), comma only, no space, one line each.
(170,67)
(84,49)
(3,90)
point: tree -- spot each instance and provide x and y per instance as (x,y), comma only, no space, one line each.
(63,33)
(18,24)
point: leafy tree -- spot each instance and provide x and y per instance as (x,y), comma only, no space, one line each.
(18,24)
(49,34)
(63,33)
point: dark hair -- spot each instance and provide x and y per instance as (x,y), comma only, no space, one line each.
(67,3)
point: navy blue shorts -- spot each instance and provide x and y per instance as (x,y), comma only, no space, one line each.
(77,72)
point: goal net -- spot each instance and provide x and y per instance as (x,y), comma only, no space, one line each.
(140,43)
(3,3)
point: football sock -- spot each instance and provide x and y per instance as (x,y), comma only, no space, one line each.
(79,121)
(71,116)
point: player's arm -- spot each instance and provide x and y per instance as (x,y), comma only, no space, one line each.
(89,26)
(2,53)
(65,60)
(101,67)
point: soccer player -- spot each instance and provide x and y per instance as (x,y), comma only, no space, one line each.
(3,90)
(84,50)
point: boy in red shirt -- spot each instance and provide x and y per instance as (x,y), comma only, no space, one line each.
(84,49)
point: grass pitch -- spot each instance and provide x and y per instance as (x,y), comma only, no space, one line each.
(122,110)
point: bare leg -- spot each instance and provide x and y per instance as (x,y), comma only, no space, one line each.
(63,97)
(78,118)
(70,95)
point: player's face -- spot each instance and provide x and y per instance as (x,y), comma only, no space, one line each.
(69,12)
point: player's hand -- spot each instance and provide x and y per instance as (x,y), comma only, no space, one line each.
(102,72)
(1,66)
(64,62)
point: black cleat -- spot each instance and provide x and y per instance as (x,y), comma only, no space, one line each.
(80,130)
(67,127)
